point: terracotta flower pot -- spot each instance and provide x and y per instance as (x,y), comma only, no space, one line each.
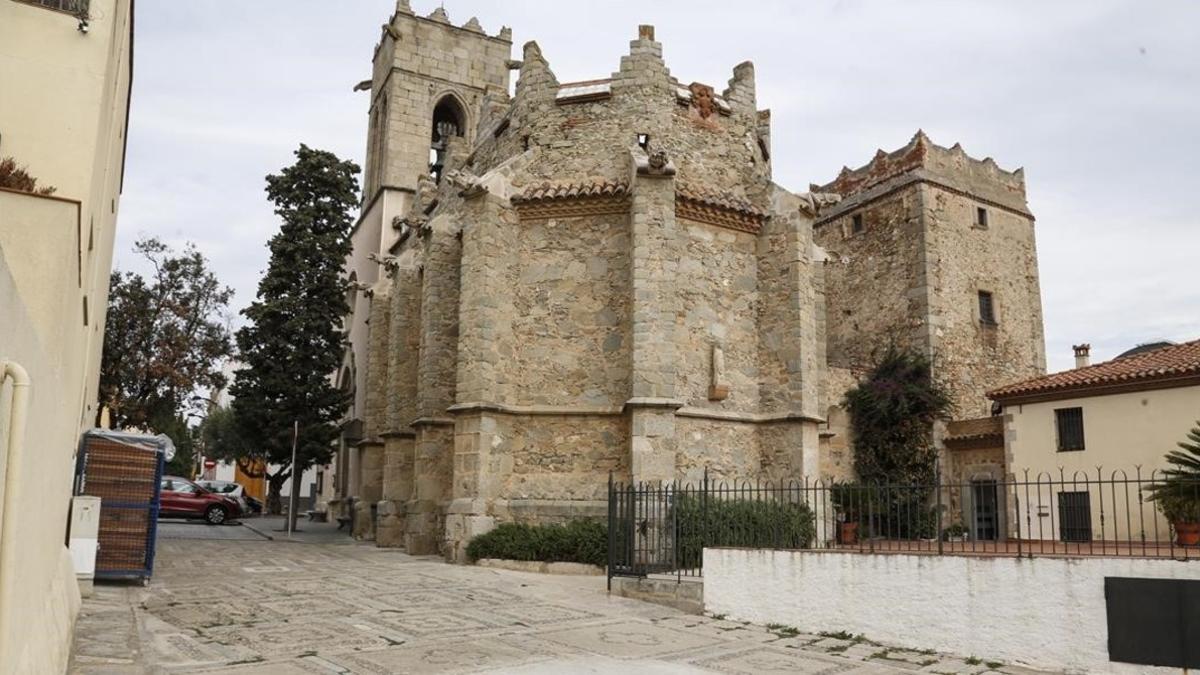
(848,533)
(1187,534)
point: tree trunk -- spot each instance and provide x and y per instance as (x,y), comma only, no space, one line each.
(274,486)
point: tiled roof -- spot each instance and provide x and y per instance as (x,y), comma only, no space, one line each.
(974,429)
(722,201)
(1175,364)
(598,188)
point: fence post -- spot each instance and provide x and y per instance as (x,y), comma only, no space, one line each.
(704,533)
(611,531)
(673,500)
(937,486)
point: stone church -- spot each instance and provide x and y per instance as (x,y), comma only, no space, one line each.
(578,279)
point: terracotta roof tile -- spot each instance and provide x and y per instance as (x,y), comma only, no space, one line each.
(969,430)
(719,200)
(1153,367)
(598,188)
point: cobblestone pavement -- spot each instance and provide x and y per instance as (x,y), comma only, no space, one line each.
(277,607)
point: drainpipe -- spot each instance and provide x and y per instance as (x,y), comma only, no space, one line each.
(12,464)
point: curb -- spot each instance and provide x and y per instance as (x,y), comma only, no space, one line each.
(257,531)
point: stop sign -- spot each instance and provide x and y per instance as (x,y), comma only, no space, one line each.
(210,464)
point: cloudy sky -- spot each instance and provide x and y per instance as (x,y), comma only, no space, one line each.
(1098,100)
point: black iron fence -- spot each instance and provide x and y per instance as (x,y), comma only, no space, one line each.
(663,528)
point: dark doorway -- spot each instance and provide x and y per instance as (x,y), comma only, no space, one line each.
(986,520)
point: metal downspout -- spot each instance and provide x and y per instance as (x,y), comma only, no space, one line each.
(12,463)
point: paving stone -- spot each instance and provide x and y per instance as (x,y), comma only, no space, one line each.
(351,609)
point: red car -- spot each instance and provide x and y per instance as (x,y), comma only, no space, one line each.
(181,498)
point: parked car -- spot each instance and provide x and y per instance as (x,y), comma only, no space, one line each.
(235,491)
(181,498)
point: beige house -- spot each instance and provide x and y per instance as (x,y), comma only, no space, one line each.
(1118,415)
(65,72)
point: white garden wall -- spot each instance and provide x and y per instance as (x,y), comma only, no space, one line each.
(1044,612)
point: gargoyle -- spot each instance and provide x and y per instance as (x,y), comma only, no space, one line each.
(389,262)
(654,163)
(468,184)
(812,202)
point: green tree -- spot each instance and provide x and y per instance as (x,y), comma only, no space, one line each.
(164,337)
(892,413)
(292,342)
(222,439)
(184,438)
(1178,493)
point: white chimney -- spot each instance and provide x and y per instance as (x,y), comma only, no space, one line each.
(1082,355)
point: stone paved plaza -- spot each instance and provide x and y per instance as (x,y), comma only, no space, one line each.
(234,602)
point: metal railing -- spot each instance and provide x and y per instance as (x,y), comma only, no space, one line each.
(663,528)
(76,7)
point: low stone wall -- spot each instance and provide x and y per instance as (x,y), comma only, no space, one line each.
(1044,612)
(542,567)
(686,595)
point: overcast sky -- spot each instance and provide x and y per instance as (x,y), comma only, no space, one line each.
(1098,100)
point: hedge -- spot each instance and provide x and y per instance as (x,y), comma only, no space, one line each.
(581,541)
(742,523)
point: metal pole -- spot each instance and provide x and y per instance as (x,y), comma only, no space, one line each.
(937,483)
(294,496)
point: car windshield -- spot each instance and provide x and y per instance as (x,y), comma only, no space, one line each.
(186,488)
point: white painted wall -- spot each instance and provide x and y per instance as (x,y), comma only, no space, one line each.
(1044,612)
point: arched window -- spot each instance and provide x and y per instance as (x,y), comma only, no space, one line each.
(448,120)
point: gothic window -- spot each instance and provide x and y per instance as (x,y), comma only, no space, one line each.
(448,120)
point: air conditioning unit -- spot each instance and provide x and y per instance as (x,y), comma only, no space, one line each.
(84,538)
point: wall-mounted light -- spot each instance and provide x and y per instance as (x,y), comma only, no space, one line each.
(83,21)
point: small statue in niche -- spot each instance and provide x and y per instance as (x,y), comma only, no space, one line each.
(718,388)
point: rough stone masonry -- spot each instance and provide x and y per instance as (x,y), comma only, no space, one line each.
(601,277)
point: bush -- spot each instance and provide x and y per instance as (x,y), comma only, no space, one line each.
(744,523)
(581,541)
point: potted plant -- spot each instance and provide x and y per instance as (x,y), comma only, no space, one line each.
(848,501)
(1178,493)
(955,532)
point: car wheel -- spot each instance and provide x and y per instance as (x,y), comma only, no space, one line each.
(215,515)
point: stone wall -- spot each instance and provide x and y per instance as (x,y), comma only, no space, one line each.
(1001,259)
(717,285)
(875,288)
(571,303)
(548,457)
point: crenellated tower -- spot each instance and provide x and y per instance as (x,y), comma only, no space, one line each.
(934,250)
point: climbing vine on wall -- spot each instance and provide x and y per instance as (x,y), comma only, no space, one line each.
(892,413)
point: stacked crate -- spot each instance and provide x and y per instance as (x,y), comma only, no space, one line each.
(124,471)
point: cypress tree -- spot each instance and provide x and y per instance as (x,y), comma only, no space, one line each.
(292,342)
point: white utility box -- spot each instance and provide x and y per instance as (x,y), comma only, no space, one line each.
(85,528)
